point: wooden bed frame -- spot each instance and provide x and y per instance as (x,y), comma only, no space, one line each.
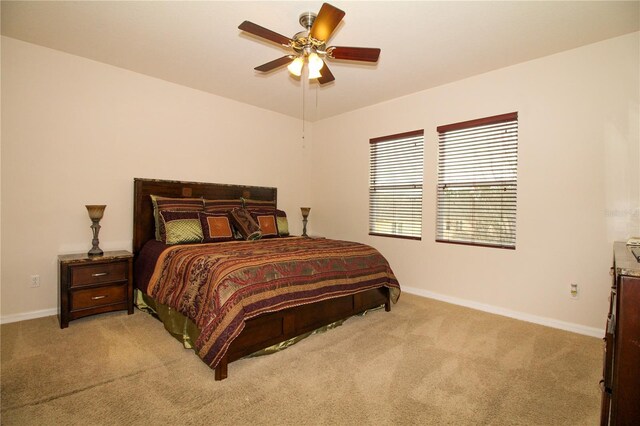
(268,329)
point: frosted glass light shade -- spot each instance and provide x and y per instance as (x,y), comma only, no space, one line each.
(295,67)
(315,63)
(314,74)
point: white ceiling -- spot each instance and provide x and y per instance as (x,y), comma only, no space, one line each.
(424,43)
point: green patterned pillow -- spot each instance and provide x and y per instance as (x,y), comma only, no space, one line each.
(283,224)
(181,227)
(161,204)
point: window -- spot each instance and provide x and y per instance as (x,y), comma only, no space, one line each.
(395,185)
(477,171)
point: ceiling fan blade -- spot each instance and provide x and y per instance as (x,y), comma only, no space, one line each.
(326,76)
(277,63)
(366,54)
(259,31)
(327,20)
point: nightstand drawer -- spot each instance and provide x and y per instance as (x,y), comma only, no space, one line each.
(89,298)
(100,273)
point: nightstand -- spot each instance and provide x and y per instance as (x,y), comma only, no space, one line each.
(94,284)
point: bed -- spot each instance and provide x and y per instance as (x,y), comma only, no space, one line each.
(260,293)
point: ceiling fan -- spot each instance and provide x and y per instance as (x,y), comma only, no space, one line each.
(310,45)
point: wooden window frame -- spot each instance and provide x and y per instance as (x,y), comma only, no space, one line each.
(482,181)
(379,208)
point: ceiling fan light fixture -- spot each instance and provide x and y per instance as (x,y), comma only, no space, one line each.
(311,45)
(295,67)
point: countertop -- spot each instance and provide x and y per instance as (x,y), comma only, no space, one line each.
(625,261)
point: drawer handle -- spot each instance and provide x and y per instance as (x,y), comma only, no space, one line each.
(98,297)
(99,274)
(604,388)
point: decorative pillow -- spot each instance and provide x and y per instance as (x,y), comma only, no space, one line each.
(169,204)
(221,206)
(267,223)
(253,205)
(180,227)
(244,223)
(283,224)
(216,227)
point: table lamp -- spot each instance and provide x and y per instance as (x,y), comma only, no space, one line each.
(305,215)
(95,214)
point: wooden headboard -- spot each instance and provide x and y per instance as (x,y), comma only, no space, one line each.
(143,222)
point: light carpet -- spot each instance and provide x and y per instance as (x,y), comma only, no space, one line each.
(425,362)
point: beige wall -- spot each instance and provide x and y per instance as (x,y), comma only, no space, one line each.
(77,132)
(578,183)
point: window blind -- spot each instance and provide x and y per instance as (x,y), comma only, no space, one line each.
(395,185)
(477,182)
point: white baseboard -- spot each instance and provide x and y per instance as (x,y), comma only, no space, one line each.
(549,322)
(6,319)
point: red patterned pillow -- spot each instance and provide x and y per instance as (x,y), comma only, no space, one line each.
(268,225)
(245,224)
(216,227)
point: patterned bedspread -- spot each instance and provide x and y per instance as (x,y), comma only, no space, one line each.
(219,286)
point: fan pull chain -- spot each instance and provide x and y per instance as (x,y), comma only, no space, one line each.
(303,112)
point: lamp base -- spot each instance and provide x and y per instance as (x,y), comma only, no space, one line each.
(95,251)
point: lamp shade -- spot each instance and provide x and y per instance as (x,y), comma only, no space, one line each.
(305,211)
(95,211)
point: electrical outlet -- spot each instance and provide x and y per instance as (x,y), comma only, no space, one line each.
(35,280)
(573,291)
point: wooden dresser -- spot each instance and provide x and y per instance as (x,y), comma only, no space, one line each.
(621,381)
(94,284)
